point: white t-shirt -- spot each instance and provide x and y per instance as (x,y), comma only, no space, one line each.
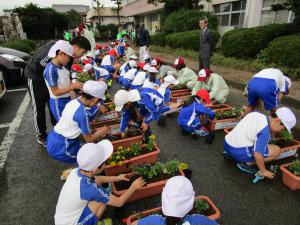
(139,78)
(130,74)
(74,196)
(274,74)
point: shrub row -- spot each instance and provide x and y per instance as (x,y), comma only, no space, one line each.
(27,46)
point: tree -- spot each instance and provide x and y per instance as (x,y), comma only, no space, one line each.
(118,3)
(293,5)
(74,18)
(98,6)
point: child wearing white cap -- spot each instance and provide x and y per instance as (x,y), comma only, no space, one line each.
(248,142)
(63,141)
(129,75)
(57,77)
(152,81)
(123,70)
(82,200)
(177,200)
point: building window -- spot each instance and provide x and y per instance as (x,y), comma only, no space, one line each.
(268,16)
(231,14)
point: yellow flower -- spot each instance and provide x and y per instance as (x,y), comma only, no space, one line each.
(120,163)
(112,163)
(120,148)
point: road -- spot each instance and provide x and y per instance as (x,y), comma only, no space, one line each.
(30,180)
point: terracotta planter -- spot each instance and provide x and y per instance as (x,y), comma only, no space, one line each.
(289,179)
(136,216)
(114,128)
(148,190)
(106,119)
(97,125)
(127,141)
(147,158)
(219,107)
(180,97)
(185,90)
(222,124)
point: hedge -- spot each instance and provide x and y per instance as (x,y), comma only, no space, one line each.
(27,46)
(284,51)
(248,42)
(103,31)
(186,20)
(158,39)
(187,40)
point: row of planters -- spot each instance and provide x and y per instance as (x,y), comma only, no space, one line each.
(289,147)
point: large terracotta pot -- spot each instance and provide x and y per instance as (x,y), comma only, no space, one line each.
(290,179)
(127,141)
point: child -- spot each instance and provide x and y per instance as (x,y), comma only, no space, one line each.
(177,199)
(190,117)
(214,84)
(186,76)
(63,141)
(268,85)
(162,69)
(129,75)
(152,81)
(140,77)
(82,200)
(248,142)
(58,79)
(170,82)
(128,51)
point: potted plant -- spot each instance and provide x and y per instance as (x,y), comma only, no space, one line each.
(219,107)
(131,136)
(203,205)
(156,176)
(136,154)
(291,175)
(226,118)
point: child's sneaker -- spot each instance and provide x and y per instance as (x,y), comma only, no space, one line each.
(245,168)
(107,221)
(201,132)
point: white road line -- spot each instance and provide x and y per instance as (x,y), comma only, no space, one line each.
(12,131)
(16,90)
(4,125)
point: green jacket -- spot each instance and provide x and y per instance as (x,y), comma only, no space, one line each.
(214,85)
(186,75)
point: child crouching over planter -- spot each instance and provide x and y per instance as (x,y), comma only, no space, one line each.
(192,117)
(82,200)
(248,142)
(63,141)
(177,199)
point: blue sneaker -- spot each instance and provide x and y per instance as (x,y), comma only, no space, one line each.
(201,132)
(245,168)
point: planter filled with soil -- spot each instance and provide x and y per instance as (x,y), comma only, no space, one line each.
(106,119)
(97,125)
(291,175)
(155,175)
(175,93)
(180,97)
(227,118)
(203,205)
(132,136)
(219,107)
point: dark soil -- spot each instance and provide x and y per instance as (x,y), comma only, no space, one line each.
(282,143)
(213,107)
(129,134)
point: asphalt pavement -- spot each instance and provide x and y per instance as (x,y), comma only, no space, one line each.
(30,180)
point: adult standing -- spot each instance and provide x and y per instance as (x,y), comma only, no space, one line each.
(143,41)
(37,87)
(206,44)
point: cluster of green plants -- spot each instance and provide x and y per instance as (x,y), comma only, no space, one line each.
(287,136)
(130,133)
(201,206)
(111,107)
(133,150)
(295,167)
(84,77)
(158,169)
(232,113)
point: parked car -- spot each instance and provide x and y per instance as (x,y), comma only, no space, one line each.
(2,85)
(12,64)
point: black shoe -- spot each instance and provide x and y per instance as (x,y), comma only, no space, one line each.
(42,140)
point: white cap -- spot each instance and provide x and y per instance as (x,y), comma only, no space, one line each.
(132,64)
(63,46)
(154,62)
(87,67)
(177,197)
(90,54)
(153,70)
(146,56)
(289,82)
(134,57)
(287,117)
(146,67)
(122,97)
(95,88)
(90,156)
(202,73)
(171,80)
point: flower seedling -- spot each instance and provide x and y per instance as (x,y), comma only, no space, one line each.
(232,113)
(295,168)
(201,206)
(84,77)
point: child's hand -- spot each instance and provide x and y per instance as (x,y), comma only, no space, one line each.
(138,184)
(76,85)
(268,174)
(144,127)
(122,177)
(103,131)
(123,135)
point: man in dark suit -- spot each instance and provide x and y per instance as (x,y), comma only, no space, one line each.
(206,44)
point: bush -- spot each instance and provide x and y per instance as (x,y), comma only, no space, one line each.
(104,31)
(284,51)
(158,39)
(186,20)
(27,46)
(248,42)
(187,40)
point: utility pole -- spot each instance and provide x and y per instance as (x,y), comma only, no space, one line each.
(98,10)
